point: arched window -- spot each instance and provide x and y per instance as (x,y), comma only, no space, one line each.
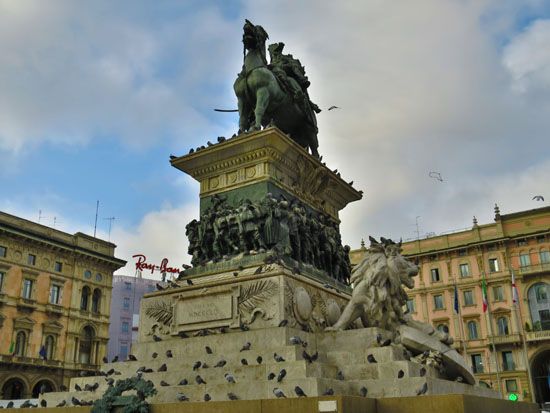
(502,323)
(20,343)
(538,306)
(49,344)
(96,300)
(85,298)
(472,330)
(85,347)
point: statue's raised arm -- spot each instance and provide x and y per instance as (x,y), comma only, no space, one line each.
(275,93)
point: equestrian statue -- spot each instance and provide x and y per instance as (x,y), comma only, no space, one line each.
(275,93)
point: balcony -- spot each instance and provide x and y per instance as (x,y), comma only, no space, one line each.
(506,339)
(534,269)
(30,361)
(26,304)
(538,335)
(54,309)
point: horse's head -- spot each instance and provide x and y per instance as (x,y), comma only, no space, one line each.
(253,36)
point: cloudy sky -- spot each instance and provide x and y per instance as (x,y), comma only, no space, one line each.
(95,96)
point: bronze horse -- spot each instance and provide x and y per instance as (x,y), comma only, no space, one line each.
(263,102)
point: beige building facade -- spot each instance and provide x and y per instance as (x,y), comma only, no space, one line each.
(507,340)
(55,295)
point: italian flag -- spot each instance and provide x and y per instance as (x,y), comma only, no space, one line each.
(514,289)
(484,294)
(12,347)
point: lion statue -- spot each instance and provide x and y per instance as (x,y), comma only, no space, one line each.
(378,295)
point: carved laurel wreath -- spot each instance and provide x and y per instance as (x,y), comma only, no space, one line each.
(160,311)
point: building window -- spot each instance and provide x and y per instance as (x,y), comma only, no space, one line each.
(435,274)
(524,260)
(462,253)
(126,303)
(49,345)
(2,276)
(3,251)
(96,300)
(58,266)
(472,330)
(502,324)
(544,257)
(493,265)
(511,386)
(541,293)
(20,344)
(443,328)
(127,285)
(98,277)
(541,239)
(84,298)
(123,353)
(55,294)
(27,288)
(125,327)
(410,305)
(468,297)
(87,274)
(507,361)
(498,293)
(31,259)
(438,302)
(464,270)
(521,242)
(477,363)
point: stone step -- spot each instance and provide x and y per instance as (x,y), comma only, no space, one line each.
(359,355)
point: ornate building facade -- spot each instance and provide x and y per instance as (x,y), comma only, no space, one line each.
(506,340)
(55,296)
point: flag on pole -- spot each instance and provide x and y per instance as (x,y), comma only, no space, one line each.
(42,353)
(456,300)
(12,347)
(514,289)
(484,293)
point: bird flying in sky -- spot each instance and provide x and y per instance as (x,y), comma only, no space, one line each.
(435,175)
(538,198)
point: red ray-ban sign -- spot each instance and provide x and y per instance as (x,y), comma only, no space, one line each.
(142,264)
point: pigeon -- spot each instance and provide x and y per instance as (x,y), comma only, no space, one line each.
(435,175)
(340,375)
(207,397)
(240,268)
(148,370)
(296,270)
(283,323)
(333,107)
(10,405)
(229,377)
(259,270)
(110,372)
(183,382)
(63,403)
(131,357)
(105,359)
(295,340)
(281,375)
(163,383)
(183,334)
(423,389)
(244,362)
(172,157)
(110,381)
(382,343)
(278,358)
(154,355)
(400,374)
(189,282)
(246,346)
(192,150)
(221,139)
(159,287)
(182,397)
(299,392)
(371,359)
(199,380)
(422,372)
(63,388)
(363,391)
(235,274)
(25,404)
(278,393)
(232,396)
(208,350)
(220,363)
(538,198)
(328,392)
(243,327)
(43,403)
(205,366)
(209,143)
(350,183)
(259,359)
(77,387)
(163,367)
(308,358)
(271,376)
(197,365)
(186,266)
(75,401)
(156,338)
(223,330)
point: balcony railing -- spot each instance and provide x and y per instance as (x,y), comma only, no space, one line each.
(34,361)
(506,339)
(538,335)
(535,268)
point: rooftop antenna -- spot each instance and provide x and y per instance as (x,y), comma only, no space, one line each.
(96,211)
(110,219)
(39,215)
(417,227)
